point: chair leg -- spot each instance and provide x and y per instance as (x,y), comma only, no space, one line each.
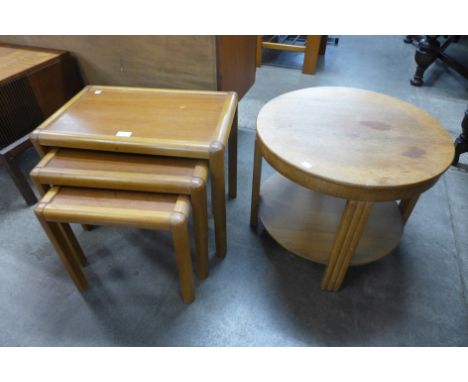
(323,44)
(180,238)
(20,180)
(259,51)
(461,143)
(311,54)
(425,55)
(56,238)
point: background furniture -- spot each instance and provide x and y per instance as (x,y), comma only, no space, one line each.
(354,152)
(461,143)
(311,46)
(182,62)
(117,208)
(429,50)
(33,84)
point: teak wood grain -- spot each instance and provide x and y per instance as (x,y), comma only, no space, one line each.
(118,208)
(353,144)
(160,121)
(92,169)
(186,124)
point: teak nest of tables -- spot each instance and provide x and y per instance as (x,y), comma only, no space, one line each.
(163,142)
(345,156)
(176,123)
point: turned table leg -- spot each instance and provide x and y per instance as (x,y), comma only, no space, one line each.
(347,238)
(257,175)
(426,54)
(408,39)
(461,143)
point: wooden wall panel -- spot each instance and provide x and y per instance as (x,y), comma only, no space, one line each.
(151,61)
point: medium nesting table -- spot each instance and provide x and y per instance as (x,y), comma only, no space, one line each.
(346,156)
(175,123)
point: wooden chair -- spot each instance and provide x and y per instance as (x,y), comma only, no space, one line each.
(116,208)
(105,170)
(313,47)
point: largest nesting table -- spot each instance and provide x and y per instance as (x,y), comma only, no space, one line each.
(346,157)
(176,123)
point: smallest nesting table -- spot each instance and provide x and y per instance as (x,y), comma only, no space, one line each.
(175,123)
(346,156)
(63,205)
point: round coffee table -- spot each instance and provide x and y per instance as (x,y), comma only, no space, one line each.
(346,156)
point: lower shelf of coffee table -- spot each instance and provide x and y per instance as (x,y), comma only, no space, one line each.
(305,222)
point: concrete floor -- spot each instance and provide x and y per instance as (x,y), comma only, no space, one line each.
(260,295)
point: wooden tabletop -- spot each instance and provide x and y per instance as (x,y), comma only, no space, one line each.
(341,139)
(15,60)
(141,120)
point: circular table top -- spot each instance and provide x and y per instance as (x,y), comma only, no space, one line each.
(353,143)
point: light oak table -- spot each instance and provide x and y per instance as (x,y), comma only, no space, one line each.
(176,123)
(346,156)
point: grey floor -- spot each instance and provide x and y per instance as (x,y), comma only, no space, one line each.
(259,295)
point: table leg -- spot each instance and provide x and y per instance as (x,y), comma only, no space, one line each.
(426,54)
(200,226)
(257,175)
(232,158)
(258,55)
(311,54)
(55,235)
(20,180)
(73,243)
(406,206)
(181,242)
(67,232)
(347,238)
(218,197)
(461,143)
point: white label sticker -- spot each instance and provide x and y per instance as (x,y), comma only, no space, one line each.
(97,91)
(124,134)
